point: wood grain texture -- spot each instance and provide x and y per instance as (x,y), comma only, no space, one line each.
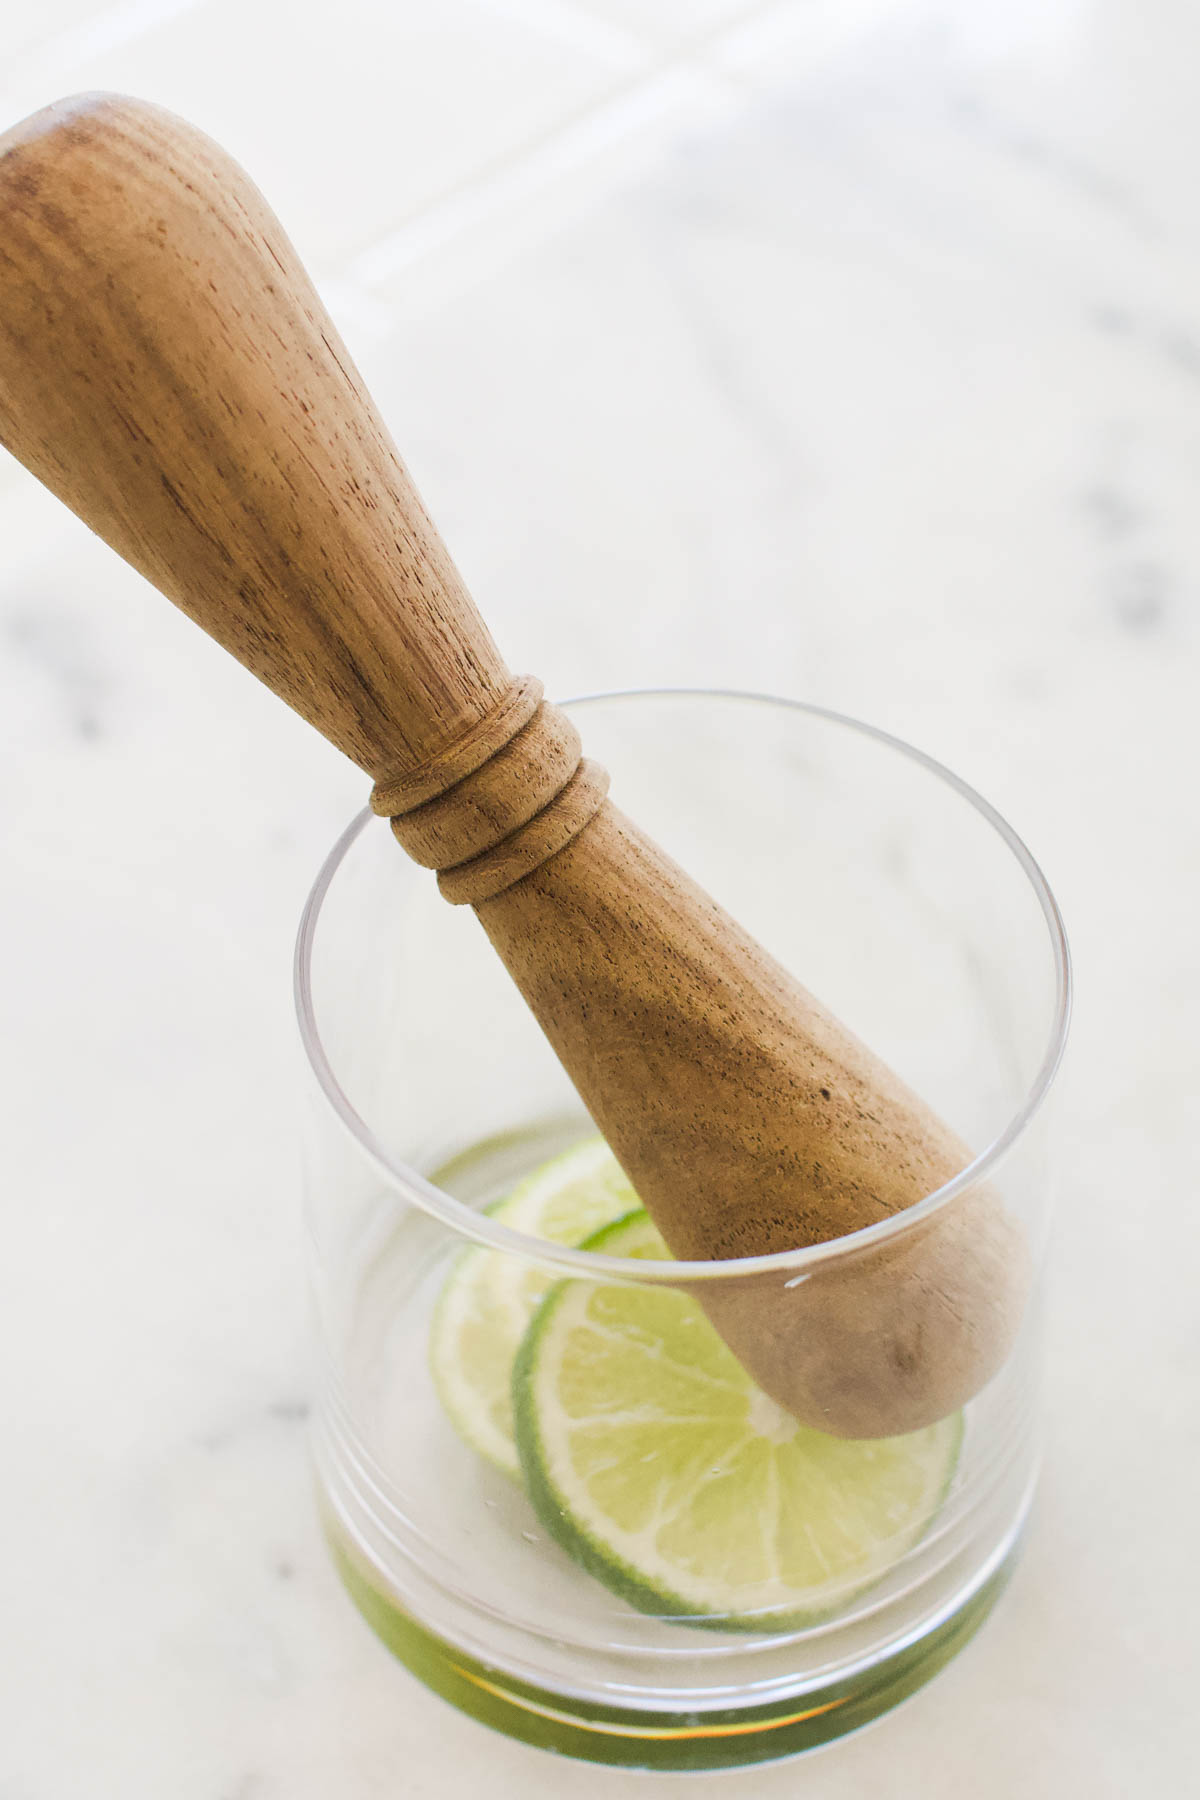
(167,369)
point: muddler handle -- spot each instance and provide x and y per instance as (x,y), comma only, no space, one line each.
(167,369)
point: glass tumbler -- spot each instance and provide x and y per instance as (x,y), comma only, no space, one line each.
(545,1481)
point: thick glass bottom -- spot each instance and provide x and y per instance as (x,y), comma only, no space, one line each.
(635,1738)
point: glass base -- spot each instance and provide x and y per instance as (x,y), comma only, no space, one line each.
(731,1737)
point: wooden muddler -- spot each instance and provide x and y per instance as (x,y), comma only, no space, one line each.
(167,369)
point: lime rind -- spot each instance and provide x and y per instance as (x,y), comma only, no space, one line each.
(803,1482)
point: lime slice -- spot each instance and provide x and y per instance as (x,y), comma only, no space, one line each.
(489,1297)
(652,1457)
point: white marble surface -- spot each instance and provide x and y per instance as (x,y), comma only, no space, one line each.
(848,349)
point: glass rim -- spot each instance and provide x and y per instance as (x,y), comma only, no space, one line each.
(479,1228)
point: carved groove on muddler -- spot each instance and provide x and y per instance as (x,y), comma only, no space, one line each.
(395,795)
(475,826)
(549,831)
